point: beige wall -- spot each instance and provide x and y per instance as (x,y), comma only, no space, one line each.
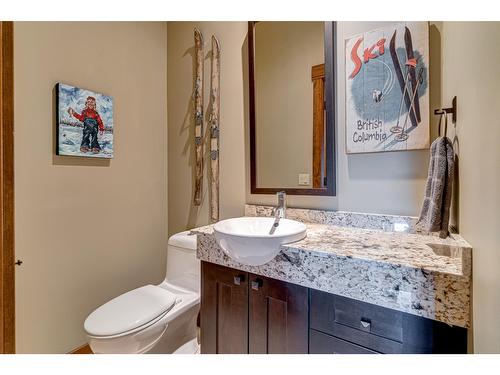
(285,52)
(182,213)
(87,230)
(470,71)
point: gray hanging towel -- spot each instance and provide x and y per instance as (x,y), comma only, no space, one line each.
(435,214)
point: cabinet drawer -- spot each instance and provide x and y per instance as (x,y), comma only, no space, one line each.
(321,343)
(365,324)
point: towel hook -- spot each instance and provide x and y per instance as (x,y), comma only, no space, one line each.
(452,110)
(443,114)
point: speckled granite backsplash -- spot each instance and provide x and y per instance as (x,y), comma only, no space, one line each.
(389,223)
(371,258)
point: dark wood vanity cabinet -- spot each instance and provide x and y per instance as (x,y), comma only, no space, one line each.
(224,310)
(277,317)
(246,313)
(343,325)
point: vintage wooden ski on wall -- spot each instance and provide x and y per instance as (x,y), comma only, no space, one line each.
(214,131)
(198,115)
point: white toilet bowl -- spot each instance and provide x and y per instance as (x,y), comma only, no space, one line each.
(154,318)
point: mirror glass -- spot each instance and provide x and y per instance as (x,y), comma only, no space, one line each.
(289,99)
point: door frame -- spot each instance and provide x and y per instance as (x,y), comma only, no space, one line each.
(7,279)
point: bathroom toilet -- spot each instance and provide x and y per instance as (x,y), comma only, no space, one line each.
(153,318)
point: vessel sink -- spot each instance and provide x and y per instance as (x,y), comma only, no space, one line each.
(255,240)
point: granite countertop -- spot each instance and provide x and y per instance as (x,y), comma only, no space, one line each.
(356,256)
(425,252)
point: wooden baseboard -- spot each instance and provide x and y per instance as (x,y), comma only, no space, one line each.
(85,349)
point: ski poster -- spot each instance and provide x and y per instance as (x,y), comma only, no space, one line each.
(387,89)
(84,123)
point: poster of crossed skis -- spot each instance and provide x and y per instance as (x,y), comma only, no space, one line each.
(387,89)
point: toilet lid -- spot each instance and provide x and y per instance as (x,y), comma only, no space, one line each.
(129,311)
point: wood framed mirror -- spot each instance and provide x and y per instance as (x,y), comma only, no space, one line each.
(292,107)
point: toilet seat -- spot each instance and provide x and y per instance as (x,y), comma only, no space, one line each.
(130,312)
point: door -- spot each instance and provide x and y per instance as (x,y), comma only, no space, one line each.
(224,310)
(7,344)
(278,316)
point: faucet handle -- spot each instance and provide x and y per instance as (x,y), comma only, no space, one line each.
(281,202)
(281,198)
(281,195)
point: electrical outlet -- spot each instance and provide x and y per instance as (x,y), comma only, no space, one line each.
(304,179)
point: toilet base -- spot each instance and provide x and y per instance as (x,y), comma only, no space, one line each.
(191,347)
(180,331)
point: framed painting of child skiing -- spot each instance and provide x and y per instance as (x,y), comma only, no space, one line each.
(84,122)
(387,89)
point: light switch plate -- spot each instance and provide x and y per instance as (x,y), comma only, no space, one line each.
(304,179)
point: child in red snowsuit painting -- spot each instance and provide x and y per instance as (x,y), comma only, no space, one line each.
(92,123)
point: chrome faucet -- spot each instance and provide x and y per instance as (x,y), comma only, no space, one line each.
(280,211)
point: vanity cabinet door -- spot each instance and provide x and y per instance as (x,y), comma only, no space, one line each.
(278,316)
(224,310)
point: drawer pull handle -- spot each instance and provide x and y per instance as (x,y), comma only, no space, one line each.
(238,280)
(366,324)
(256,284)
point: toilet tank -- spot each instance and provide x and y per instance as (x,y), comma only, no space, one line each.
(183,268)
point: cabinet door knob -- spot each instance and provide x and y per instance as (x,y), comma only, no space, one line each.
(256,284)
(239,279)
(365,323)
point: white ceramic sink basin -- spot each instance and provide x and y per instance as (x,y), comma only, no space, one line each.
(251,241)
